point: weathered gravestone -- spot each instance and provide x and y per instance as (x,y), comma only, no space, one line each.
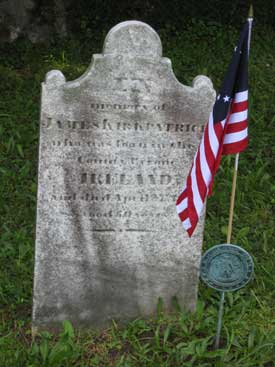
(115,146)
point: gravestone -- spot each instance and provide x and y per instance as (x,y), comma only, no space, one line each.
(115,147)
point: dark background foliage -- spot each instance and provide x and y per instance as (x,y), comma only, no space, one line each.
(102,14)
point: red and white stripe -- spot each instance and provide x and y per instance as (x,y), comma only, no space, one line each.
(225,137)
(236,134)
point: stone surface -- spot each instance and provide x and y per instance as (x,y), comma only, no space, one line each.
(115,147)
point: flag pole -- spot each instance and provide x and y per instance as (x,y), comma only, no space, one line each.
(235,174)
(232,203)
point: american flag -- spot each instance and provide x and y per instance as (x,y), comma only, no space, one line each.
(224,133)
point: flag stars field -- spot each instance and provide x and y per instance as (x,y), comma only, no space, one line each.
(236,49)
(226,99)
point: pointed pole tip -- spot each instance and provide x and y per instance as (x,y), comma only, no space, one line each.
(250,12)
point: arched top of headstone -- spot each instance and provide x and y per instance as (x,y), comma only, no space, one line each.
(133,38)
(131,62)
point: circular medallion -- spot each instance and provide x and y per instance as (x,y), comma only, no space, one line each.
(226,267)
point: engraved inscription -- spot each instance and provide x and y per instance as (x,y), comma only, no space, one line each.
(125,158)
(106,124)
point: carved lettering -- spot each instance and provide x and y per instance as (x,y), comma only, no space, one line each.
(124,179)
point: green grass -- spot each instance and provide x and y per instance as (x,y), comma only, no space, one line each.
(181,339)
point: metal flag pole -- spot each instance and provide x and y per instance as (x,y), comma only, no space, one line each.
(219,325)
(232,203)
